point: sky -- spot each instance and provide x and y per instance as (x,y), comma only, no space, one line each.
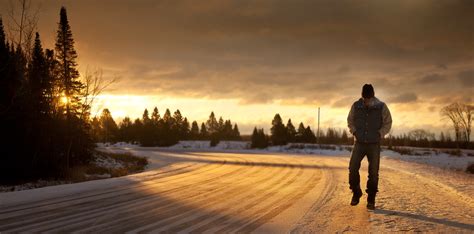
(248,60)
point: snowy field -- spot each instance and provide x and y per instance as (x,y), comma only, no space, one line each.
(434,157)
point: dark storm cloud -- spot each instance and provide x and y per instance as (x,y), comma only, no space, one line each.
(259,51)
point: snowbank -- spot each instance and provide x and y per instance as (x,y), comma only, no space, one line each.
(433,157)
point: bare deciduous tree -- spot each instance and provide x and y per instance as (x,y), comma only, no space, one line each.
(22,25)
(461,116)
(94,85)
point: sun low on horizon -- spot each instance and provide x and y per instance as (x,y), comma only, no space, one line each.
(247,61)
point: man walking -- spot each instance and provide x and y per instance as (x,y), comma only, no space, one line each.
(369,121)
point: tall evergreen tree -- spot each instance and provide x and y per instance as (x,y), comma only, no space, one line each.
(109,129)
(227,133)
(300,134)
(259,139)
(211,124)
(125,130)
(236,133)
(66,56)
(184,130)
(194,133)
(78,143)
(278,131)
(4,68)
(146,132)
(39,80)
(155,116)
(204,134)
(290,131)
(309,136)
(95,129)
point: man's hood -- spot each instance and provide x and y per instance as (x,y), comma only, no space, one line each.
(373,101)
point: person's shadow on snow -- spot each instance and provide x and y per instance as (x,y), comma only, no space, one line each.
(425,218)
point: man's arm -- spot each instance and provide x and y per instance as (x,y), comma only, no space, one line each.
(386,121)
(350,121)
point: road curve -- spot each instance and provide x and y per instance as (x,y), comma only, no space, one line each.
(204,192)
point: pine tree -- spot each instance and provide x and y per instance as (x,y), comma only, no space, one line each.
(155,116)
(78,142)
(194,133)
(146,116)
(109,129)
(95,129)
(290,131)
(309,136)
(184,130)
(125,130)
(236,133)
(156,127)
(220,126)
(227,133)
(39,81)
(66,56)
(212,125)
(344,137)
(4,68)
(146,132)
(278,131)
(300,134)
(259,139)
(204,134)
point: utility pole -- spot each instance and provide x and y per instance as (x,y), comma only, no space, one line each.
(318,126)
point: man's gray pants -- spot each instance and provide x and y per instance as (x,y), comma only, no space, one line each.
(360,150)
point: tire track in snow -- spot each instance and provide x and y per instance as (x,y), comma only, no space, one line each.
(127,192)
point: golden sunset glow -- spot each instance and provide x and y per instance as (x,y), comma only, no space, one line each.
(248,62)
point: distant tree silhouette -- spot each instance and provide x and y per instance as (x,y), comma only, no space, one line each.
(185,130)
(126,130)
(108,128)
(278,131)
(309,136)
(204,134)
(236,133)
(194,133)
(212,126)
(146,131)
(290,131)
(259,139)
(300,134)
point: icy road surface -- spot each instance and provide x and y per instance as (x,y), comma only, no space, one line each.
(246,192)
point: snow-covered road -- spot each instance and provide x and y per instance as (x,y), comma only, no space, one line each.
(246,192)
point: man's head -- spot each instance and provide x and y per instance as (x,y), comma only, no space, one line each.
(368,91)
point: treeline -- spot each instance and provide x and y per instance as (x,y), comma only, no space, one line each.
(281,134)
(424,138)
(156,130)
(44,120)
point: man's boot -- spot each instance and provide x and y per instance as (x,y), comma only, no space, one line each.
(371,201)
(356,194)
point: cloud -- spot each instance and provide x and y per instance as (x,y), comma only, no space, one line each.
(432,78)
(466,77)
(293,52)
(404,98)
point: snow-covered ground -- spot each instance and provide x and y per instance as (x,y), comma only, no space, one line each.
(256,191)
(434,157)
